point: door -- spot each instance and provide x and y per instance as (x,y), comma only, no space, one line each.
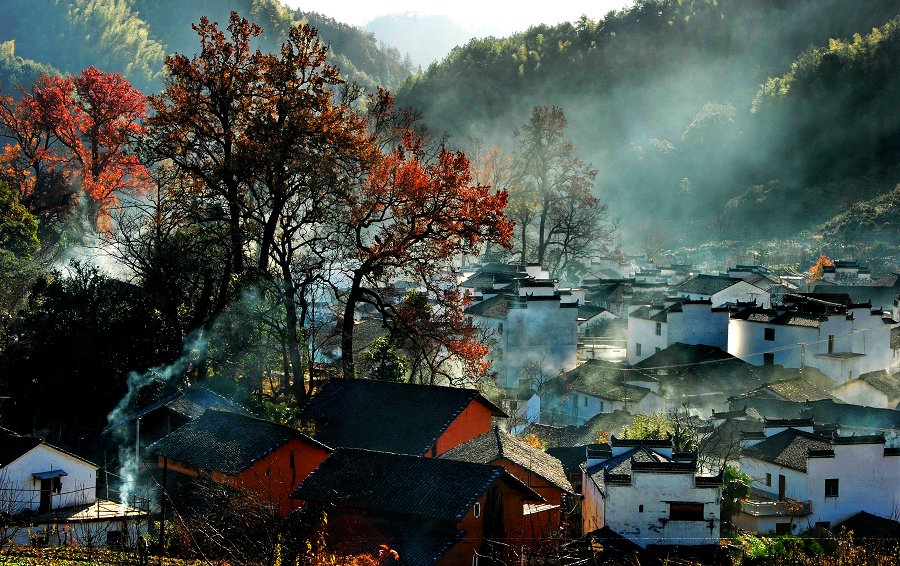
(45,496)
(782,484)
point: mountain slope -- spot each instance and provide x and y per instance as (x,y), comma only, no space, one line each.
(426,39)
(658,97)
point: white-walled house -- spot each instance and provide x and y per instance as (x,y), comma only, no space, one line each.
(843,342)
(535,337)
(874,389)
(721,290)
(59,491)
(801,480)
(654,328)
(598,386)
(649,495)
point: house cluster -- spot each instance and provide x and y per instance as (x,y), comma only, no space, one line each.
(740,349)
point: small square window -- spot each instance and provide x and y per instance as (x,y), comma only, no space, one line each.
(831,488)
(769,359)
(640,508)
(769,334)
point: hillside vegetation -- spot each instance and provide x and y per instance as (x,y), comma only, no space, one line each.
(688,105)
(134,36)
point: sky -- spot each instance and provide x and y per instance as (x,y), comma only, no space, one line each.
(479,16)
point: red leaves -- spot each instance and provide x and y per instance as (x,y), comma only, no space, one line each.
(93,117)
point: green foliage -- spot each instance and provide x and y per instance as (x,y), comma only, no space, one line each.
(380,360)
(18,245)
(15,70)
(655,426)
(736,487)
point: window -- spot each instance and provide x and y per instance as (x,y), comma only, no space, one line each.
(657,350)
(831,343)
(477,509)
(831,488)
(640,508)
(585,401)
(769,480)
(769,359)
(293,470)
(782,528)
(500,328)
(637,349)
(686,511)
(769,334)
(601,406)
(659,329)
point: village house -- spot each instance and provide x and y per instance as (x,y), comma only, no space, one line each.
(264,458)
(873,389)
(802,480)
(595,387)
(534,333)
(535,468)
(698,375)
(847,272)
(403,418)
(842,341)
(647,494)
(57,490)
(429,510)
(656,327)
(721,290)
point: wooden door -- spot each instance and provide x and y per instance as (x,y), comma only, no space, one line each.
(45,496)
(782,485)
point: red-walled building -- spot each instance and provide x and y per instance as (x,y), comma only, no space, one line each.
(243,452)
(429,510)
(422,420)
(535,468)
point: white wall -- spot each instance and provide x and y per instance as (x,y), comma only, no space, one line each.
(867,481)
(642,331)
(654,491)
(24,492)
(859,392)
(698,324)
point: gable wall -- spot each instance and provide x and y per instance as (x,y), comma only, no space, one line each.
(475,420)
(20,491)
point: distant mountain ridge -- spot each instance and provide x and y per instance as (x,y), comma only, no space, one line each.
(426,39)
(134,36)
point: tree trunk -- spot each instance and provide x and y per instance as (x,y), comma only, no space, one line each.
(347,324)
(293,331)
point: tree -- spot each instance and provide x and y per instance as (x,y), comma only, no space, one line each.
(408,218)
(817,270)
(677,425)
(18,245)
(84,125)
(552,196)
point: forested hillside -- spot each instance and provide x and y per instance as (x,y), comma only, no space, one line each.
(133,37)
(702,110)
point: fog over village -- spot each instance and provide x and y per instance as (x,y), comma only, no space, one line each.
(302,284)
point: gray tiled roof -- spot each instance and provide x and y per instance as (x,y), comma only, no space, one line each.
(225,442)
(392,417)
(887,383)
(797,390)
(403,485)
(495,307)
(494,445)
(706,284)
(788,448)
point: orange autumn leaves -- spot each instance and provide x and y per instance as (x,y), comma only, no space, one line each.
(82,127)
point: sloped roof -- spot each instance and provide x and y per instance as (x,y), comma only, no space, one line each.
(603,380)
(589,311)
(393,417)
(797,390)
(866,525)
(685,354)
(706,284)
(581,435)
(494,445)
(13,446)
(226,442)
(495,307)
(404,485)
(887,383)
(191,403)
(788,448)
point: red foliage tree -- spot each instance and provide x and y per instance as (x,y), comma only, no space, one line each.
(84,125)
(410,216)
